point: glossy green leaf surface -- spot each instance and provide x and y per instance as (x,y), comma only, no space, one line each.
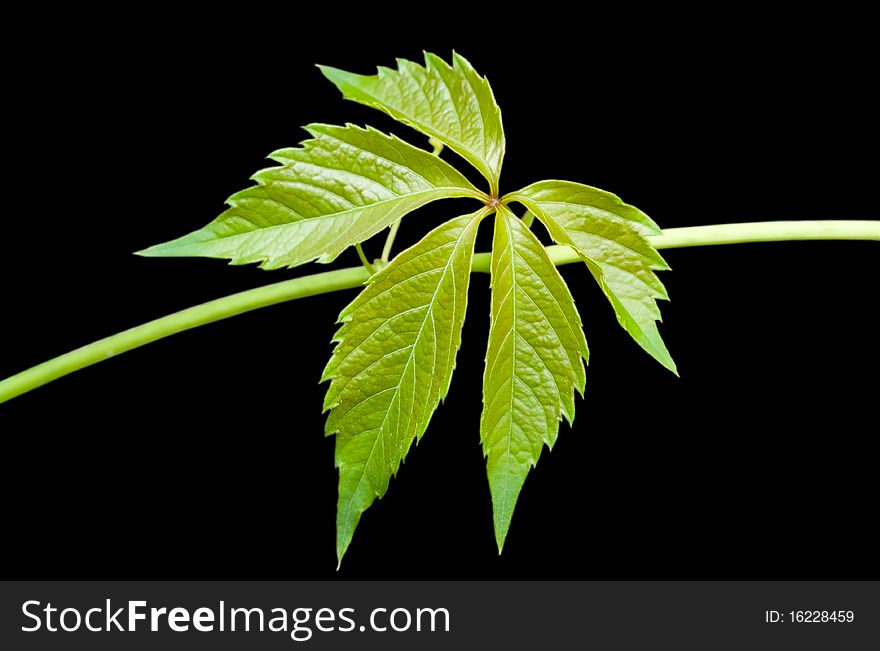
(610,236)
(337,189)
(393,363)
(451,103)
(534,362)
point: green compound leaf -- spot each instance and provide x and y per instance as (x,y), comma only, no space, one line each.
(533,364)
(338,189)
(610,237)
(452,104)
(393,363)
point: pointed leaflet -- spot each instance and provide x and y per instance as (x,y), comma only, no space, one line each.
(610,236)
(393,363)
(533,363)
(453,104)
(338,189)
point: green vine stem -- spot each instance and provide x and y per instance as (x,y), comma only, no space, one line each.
(331,281)
(389,241)
(364,261)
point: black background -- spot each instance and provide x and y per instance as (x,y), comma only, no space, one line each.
(203,455)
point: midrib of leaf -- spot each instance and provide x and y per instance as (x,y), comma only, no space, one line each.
(641,274)
(413,309)
(660,353)
(655,262)
(343,144)
(589,196)
(533,204)
(546,318)
(556,378)
(401,419)
(472,99)
(512,291)
(333,191)
(404,95)
(454,143)
(513,377)
(409,362)
(429,194)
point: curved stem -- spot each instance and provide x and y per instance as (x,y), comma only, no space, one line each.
(829,229)
(389,241)
(209,312)
(331,281)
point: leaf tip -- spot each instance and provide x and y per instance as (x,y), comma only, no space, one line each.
(459,60)
(327,71)
(337,77)
(502,525)
(342,543)
(500,537)
(665,360)
(340,553)
(163,250)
